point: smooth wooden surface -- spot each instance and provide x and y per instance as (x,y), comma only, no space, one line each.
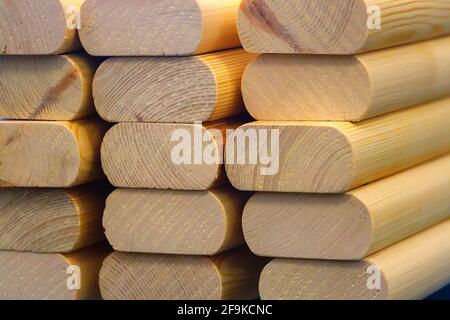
(232,275)
(354,88)
(338,27)
(411,269)
(43,27)
(349,226)
(51,220)
(46,87)
(171,89)
(139,155)
(175,222)
(158,28)
(334,157)
(50,154)
(33,276)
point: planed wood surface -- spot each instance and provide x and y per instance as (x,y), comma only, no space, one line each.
(158,28)
(334,157)
(353,88)
(45,276)
(171,89)
(349,226)
(232,275)
(51,220)
(139,155)
(46,87)
(341,27)
(44,27)
(50,154)
(175,222)
(409,270)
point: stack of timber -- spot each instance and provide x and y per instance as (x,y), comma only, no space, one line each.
(52,195)
(174,90)
(359,208)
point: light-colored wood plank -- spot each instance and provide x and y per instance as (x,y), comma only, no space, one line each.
(140,155)
(158,28)
(166,89)
(50,154)
(339,27)
(334,157)
(46,87)
(51,220)
(232,275)
(350,226)
(49,276)
(175,222)
(42,27)
(409,270)
(354,88)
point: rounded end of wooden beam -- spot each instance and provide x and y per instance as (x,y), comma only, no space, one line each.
(289,87)
(161,89)
(303,26)
(133,276)
(149,28)
(284,279)
(307,226)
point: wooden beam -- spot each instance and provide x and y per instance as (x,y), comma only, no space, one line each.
(232,275)
(39,27)
(353,88)
(33,276)
(141,155)
(50,154)
(175,222)
(46,87)
(349,226)
(334,157)
(183,90)
(158,28)
(51,220)
(409,270)
(339,27)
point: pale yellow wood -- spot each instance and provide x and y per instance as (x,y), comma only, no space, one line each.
(139,155)
(409,270)
(339,27)
(354,88)
(334,157)
(175,222)
(158,28)
(50,154)
(30,27)
(232,275)
(350,226)
(45,276)
(46,87)
(164,89)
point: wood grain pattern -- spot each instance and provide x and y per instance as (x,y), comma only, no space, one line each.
(139,155)
(338,27)
(353,88)
(232,275)
(33,276)
(46,87)
(44,27)
(334,157)
(158,28)
(167,89)
(349,226)
(50,154)
(409,270)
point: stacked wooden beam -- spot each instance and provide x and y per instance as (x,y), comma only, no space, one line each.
(51,202)
(176,225)
(364,195)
